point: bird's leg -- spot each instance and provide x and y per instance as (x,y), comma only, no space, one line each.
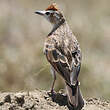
(54,79)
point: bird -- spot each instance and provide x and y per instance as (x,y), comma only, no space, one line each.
(63,52)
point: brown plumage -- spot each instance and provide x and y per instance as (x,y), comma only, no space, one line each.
(52,7)
(63,53)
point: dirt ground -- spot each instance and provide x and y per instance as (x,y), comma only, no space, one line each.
(43,100)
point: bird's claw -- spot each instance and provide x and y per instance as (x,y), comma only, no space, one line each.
(52,92)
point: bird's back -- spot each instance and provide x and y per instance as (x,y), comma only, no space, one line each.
(61,46)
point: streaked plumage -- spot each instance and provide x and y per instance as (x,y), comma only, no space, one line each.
(63,53)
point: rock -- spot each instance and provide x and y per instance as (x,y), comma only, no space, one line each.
(43,100)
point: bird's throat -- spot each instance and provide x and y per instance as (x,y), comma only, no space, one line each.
(57,26)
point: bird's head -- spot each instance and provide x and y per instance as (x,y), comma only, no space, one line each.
(52,14)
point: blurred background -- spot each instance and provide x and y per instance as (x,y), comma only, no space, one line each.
(23,65)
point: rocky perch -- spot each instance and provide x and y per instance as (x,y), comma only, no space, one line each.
(43,100)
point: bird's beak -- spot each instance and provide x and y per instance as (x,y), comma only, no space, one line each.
(40,12)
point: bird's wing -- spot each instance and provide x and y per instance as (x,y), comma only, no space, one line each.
(66,64)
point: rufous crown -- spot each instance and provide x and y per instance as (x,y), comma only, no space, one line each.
(53,7)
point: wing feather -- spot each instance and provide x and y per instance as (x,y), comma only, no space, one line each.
(65,60)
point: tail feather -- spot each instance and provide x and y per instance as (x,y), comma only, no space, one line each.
(74,96)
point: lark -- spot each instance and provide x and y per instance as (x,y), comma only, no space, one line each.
(63,52)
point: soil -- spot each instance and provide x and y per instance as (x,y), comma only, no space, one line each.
(43,100)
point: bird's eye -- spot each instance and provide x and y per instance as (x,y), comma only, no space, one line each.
(47,13)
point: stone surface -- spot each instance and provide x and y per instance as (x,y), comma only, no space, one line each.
(43,100)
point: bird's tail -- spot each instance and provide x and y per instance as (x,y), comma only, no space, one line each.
(75,99)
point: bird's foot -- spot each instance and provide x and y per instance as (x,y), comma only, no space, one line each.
(53,92)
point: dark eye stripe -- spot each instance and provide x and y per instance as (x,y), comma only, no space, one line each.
(47,13)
